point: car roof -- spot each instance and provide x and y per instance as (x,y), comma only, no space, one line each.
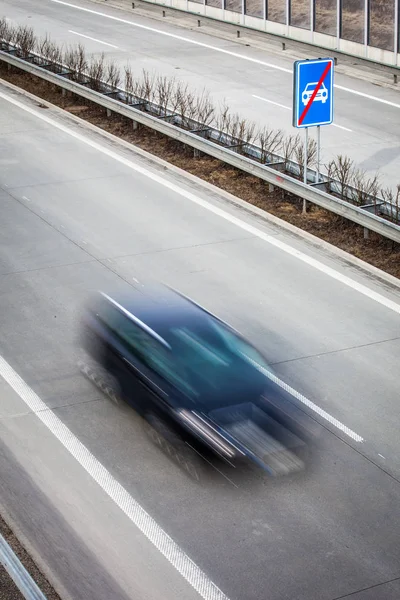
(160,307)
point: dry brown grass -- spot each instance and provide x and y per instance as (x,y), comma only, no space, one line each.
(378,251)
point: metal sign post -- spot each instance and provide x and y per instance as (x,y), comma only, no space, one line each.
(313,101)
(305,169)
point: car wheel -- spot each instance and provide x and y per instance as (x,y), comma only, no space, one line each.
(174,447)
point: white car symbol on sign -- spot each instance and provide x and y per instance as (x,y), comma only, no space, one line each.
(322,94)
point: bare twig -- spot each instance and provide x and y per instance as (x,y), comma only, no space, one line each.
(365,187)
(75,60)
(341,169)
(311,155)
(205,109)
(269,141)
(148,84)
(129,84)
(24,40)
(113,75)
(7,31)
(392,198)
(165,92)
(288,148)
(96,71)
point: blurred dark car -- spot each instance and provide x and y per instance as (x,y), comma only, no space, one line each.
(196,381)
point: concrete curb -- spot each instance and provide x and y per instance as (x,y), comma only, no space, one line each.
(156,162)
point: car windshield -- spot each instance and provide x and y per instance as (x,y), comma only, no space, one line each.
(214,360)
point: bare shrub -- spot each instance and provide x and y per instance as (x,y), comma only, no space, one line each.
(24,40)
(392,198)
(205,109)
(96,71)
(7,31)
(288,148)
(178,98)
(190,103)
(269,140)
(50,51)
(224,120)
(113,75)
(75,59)
(147,86)
(164,91)
(129,84)
(241,130)
(341,169)
(299,154)
(183,102)
(365,187)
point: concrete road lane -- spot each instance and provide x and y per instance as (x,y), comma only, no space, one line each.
(365,129)
(79,214)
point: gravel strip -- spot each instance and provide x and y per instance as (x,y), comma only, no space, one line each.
(8,590)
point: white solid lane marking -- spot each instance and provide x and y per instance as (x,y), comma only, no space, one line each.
(288,108)
(210,47)
(92,38)
(132,509)
(341,127)
(317,409)
(305,258)
(368,96)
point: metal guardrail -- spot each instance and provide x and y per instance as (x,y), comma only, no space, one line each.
(299,189)
(18,573)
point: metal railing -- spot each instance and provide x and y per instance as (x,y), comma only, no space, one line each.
(214,143)
(18,573)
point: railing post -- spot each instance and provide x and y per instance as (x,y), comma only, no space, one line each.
(366,26)
(338,23)
(396,30)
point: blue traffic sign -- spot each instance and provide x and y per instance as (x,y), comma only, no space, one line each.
(313,92)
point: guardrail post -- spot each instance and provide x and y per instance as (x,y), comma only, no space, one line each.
(366,233)
(108,112)
(271,188)
(395,78)
(135,125)
(163,13)
(198,22)
(238,34)
(196,153)
(283,46)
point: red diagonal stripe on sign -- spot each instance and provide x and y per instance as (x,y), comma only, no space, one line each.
(315,92)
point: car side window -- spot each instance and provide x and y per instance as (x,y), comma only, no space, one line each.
(130,334)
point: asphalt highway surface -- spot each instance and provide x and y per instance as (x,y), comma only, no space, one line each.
(254,82)
(104,512)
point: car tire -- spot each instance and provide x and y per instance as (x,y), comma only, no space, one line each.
(174,447)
